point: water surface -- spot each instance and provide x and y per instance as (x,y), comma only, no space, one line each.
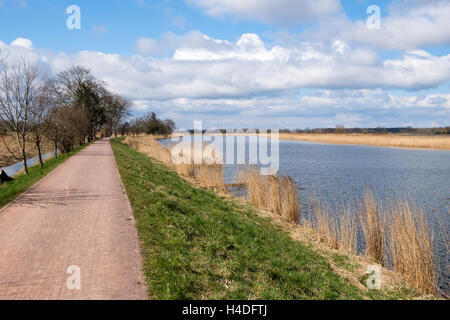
(18,166)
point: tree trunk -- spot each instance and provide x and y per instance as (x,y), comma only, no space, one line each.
(56,149)
(24,159)
(24,154)
(38,146)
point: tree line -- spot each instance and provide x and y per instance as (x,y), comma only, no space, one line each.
(67,109)
(150,124)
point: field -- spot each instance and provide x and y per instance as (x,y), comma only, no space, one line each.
(388,140)
(6,159)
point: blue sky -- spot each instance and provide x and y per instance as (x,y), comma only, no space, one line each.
(286,63)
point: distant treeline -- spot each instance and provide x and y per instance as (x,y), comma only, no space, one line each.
(343,130)
(148,124)
(379,130)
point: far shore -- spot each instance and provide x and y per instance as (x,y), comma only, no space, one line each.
(378,140)
(385,140)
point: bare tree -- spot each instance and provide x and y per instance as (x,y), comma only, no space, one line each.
(52,131)
(67,126)
(117,109)
(20,85)
(78,88)
(39,115)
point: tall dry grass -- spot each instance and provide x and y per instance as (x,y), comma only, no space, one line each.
(397,233)
(370,215)
(386,140)
(401,225)
(324,224)
(207,175)
(347,230)
(210,175)
(411,245)
(277,194)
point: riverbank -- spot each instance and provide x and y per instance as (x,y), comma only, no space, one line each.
(390,140)
(6,159)
(198,244)
(22,182)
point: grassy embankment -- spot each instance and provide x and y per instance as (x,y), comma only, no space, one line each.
(197,244)
(389,140)
(22,182)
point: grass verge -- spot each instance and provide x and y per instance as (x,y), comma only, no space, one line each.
(198,245)
(22,182)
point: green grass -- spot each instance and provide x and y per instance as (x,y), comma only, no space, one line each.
(22,182)
(197,245)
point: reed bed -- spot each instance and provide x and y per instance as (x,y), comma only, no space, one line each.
(323,224)
(384,140)
(411,245)
(208,174)
(277,194)
(371,218)
(348,230)
(397,233)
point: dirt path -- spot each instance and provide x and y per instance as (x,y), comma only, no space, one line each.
(77,216)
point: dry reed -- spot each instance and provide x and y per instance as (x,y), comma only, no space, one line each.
(322,223)
(208,175)
(277,194)
(385,140)
(411,245)
(370,215)
(398,234)
(348,230)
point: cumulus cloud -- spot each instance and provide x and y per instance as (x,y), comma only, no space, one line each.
(170,42)
(409,25)
(280,12)
(324,108)
(22,42)
(210,68)
(248,82)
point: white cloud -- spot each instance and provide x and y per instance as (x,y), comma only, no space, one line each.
(247,82)
(281,12)
(22,42)
(210,68)
(170,41)
(324,108)
(410,25)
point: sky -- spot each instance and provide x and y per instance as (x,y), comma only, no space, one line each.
(253,63)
